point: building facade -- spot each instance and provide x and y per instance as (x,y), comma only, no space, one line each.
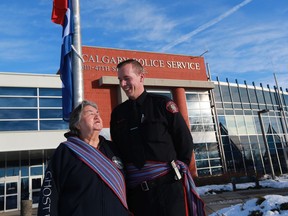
(226,119)
(252,123)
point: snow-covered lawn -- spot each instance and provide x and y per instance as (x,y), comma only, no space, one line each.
(266,206)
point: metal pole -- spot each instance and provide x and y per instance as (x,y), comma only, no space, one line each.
(222,153)
(282,111)
(265,140)
(77,56)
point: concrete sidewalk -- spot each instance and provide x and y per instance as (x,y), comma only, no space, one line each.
(214,202)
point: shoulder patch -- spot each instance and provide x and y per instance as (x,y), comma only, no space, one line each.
(172,107)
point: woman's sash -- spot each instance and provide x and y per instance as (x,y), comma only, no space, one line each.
(101,165)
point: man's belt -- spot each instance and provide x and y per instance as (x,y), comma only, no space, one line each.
(151,184)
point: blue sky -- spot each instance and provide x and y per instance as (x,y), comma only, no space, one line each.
(245,39)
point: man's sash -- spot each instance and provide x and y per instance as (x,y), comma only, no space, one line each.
(152,170)
(101,165)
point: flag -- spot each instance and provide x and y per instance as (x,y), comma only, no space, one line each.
(59,11)
(62,13)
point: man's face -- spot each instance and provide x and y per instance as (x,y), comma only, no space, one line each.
(131,82)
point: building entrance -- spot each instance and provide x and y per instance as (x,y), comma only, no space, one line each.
(9,194)
(35,187)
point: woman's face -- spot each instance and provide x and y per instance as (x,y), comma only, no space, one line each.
(90,120)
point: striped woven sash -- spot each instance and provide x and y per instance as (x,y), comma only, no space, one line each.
(101,165)
(152,170)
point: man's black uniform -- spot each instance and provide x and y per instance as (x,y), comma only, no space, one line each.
(152,129)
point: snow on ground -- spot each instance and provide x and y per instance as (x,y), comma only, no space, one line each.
(270,205)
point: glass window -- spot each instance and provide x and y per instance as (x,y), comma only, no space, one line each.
(197,128)
(53,125)
(193,105)
(18,125)
(246,106)
(1,189)
(244,95)
(258,125)
(222,120)
(12,164)
(18,113)
(217,93)
(267,97)
(207,119)
(250,125)
(229,112)
(237,106)
(24,171)
(200,151)
(50,92)
(285,99)
(204,105)
(192,97)
(11,188)
(225,93)
(216,171)
(18,91)
(36,158)
(255,106)
(220,111)
(241,124)
(24,188)
(215,162)
(192,112)
(24,163)
(18,102)
(204,97)
(204,172)
(228,105)
(260,96)
(206,112)
(194,120)
(238,112)
(2,164)
(274,126)
(209,128)
(202,163)
(231,125)
(235,94)
(247,112)
(1,202)
(209,136)
(51,113)
(50,102)
(266,124)
(37,170)
(273,98)
(252,95)
(213,150)
(11,202)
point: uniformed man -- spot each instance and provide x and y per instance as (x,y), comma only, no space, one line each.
(156,146)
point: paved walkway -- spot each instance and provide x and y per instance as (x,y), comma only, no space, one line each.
(214,202)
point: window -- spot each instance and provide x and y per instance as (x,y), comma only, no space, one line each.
(24,109)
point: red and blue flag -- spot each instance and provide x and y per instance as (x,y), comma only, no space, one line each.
(62,13)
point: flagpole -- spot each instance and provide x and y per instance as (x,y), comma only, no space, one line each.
(77,56)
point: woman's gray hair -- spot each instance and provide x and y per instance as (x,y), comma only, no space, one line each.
(75,117)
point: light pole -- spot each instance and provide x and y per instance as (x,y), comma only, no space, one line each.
(265,140)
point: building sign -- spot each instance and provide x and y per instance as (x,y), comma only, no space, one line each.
(158,65)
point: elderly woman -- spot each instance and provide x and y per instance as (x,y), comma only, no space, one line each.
(84,176)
